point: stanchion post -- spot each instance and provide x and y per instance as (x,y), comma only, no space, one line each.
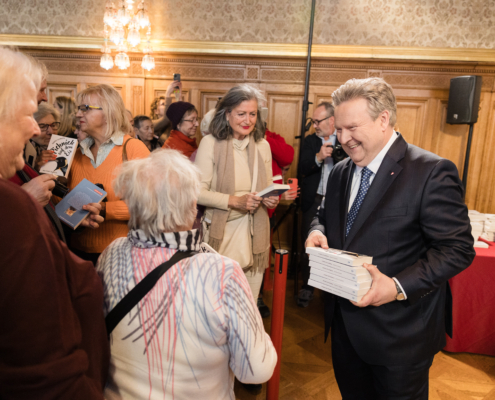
(277,327)
(267,279)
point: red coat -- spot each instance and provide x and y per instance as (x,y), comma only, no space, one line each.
(178,141)
(282,155)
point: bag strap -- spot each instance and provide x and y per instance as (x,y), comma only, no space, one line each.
(132,298)
(124,150)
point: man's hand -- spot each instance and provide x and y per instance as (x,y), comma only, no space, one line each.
(291,194)
(94,218)
(271,202)
(382,290)
(317,239)
(41,188)
(325,151)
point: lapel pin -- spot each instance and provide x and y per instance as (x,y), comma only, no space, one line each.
(392,173)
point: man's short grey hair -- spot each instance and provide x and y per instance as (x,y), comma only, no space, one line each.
(17,72)
(45,109)
(43,68)
(160,191)
(375,91)
(219,126)
(330,109)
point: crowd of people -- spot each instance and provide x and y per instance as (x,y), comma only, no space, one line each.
(199,324)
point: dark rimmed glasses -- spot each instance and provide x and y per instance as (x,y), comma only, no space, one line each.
(318,122)
(86,107)
(44,127)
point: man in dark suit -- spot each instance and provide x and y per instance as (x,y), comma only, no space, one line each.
(314,168)
(403,206)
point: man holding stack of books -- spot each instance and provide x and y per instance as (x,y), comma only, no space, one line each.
(389,235)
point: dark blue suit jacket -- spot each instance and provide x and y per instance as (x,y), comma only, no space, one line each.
(415,224)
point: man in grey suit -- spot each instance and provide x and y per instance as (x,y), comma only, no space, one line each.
(403,206)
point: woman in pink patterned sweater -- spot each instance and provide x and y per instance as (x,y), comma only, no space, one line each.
(199,326)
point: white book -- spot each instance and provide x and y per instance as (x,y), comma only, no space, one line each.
(345,284)
(340,256)
(335,290)
(356,271)
(344,279)
(64,149)
(275,189)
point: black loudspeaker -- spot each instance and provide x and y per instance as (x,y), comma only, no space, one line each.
(464,99)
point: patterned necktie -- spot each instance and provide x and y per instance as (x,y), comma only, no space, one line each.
(363,189)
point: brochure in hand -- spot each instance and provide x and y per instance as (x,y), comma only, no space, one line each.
(64,149)
(70,210)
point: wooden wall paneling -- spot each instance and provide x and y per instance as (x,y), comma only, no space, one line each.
(119,87)
(481,179)
(411,119)
(53,90)
(208,100)
(137,100)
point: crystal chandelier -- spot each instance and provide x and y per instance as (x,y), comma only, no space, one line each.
(122,26)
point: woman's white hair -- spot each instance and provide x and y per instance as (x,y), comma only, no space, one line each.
(17,72)
(113,108)
(160,191)
(45,109)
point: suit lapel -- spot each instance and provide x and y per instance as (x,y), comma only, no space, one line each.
(386,175)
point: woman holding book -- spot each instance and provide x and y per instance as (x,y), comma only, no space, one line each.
(236,163)
(101,115)
(48,119)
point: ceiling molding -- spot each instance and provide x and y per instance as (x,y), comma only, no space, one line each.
(162,47)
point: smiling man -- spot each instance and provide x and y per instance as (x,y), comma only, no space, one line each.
(403,206)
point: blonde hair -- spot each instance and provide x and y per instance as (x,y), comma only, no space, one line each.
(68,106)
(112,105)
(160,191)
(375,91)
(17,71)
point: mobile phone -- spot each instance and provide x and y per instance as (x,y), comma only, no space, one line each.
(292,183)
(177,77)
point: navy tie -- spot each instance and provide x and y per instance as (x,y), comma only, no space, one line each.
(363,189)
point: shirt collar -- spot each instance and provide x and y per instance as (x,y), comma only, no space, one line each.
(117,139)
(374,165)
(330,137)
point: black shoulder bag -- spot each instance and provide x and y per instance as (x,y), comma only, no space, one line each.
(132,298)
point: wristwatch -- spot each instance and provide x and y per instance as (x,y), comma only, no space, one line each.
(400,294)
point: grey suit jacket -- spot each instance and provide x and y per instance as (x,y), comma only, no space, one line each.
(415,224)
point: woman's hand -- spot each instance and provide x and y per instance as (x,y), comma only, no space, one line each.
(172,87)
(41,188)
(291,194)
(271,202)
(249,202)
(44,157)
(94,218)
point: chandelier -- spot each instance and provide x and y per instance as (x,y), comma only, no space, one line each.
(122,26)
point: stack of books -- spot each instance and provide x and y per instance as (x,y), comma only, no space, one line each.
(339,272)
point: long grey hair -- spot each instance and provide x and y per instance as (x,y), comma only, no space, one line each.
(219,126)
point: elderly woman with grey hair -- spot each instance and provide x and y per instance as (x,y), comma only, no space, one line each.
(198,326)
(102,117)
(236,163)
(53,342)
(48,119)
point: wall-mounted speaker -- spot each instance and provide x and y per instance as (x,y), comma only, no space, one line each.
(464,99)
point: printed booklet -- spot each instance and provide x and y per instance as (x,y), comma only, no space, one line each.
(64,149)
(70,210)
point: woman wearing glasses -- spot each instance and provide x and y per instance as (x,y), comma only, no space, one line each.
(48,120)
(184,119)
(101,116)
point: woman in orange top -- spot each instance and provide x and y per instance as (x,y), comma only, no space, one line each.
(101,115)
(184,118)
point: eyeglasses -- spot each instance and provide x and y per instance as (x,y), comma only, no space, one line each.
(316,122)
(192,121)
(85,108)
(44,127)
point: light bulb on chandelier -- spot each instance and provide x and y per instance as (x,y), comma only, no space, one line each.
(121,26)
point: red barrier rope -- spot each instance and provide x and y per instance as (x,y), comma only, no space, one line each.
(278,310)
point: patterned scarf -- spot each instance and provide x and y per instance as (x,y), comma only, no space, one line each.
(182,241)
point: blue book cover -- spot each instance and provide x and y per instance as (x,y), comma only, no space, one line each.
(70,210)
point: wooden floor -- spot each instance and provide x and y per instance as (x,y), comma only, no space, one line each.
(307,372)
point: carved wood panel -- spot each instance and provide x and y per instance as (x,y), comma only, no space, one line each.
(54,90)
(411,116)
(208,100)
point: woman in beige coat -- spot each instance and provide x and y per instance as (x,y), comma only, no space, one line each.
(236,163)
